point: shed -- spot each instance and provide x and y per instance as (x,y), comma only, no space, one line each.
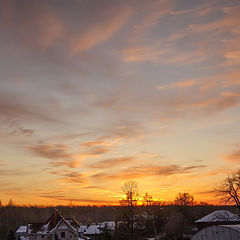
(219,217)
(220,232)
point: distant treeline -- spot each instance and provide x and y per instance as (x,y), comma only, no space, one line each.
(11,217)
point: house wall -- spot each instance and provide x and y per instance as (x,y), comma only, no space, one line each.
(217,233)
(32,236)
(202,225)
(68,234)
(42,237)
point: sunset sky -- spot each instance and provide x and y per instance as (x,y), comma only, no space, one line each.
(96,92)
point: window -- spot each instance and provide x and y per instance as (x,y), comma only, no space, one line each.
(62,234)
(42,236)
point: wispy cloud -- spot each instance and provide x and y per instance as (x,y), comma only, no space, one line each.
(100,31)
(113,162)
(228,23)
(60,155)
(64,198)
(71,176)
(147,171)
(234,156)
(181,84)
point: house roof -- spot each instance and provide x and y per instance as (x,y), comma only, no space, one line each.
(22,229)
(90,230)
(34,227)
(52,224)
(219,216)
(110,225)
(96,229)
(73,222)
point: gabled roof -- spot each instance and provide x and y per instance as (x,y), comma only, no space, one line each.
(22,229)
(51,224)
(219,216)
(34,227)
(73,222)
(53,220)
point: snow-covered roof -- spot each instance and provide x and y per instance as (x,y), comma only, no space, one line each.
(110,225)
(219,216)
(91,229)
(96,228)
(22,229)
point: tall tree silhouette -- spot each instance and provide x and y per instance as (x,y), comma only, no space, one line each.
(129,202)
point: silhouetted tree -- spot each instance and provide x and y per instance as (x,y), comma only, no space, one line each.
(229,190)
(130,200)
(10,203)
(184,199)
(147,200)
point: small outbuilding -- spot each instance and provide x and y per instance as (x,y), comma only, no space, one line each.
(220,217)
(221,232)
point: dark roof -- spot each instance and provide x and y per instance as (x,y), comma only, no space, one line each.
(52,222)
(73,222)
(34,227)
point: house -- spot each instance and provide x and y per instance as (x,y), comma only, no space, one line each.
(56,227)
(220,217)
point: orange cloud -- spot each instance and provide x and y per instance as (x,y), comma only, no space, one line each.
(202,10)
(228,23)
(85,201)
(214,104)
(182,84)
(234,156)
(60,155)
(155,10)
(112,162)
(143,54)
(98,143)
(100,31)
(147,171)
(57,152)
(232,78)
(74,177)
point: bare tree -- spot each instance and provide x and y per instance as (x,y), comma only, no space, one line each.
(229,190)
(147,200)
(184,199)
(130,200)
